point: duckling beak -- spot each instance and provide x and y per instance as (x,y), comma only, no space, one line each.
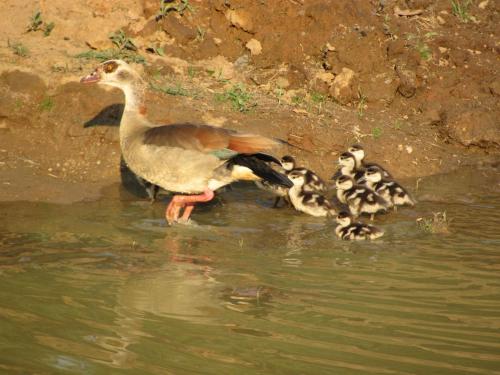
(93,77)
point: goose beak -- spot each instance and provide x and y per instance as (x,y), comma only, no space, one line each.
(93,77)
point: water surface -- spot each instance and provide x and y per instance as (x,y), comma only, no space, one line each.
(107,288)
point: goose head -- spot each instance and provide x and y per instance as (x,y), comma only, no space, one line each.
(344,182)
(116,73)
(288,163)
(344,219)
(358,152)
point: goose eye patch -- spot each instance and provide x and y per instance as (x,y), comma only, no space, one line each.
(110,67)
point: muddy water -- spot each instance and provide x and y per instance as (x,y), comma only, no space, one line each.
(106,288)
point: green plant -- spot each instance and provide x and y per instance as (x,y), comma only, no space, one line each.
(171,90)
(279,92)
(200,34)
(377,132)
(398,124)
(122,41)
(35,22)
(239,97)
(47,29)
(361,105)
(461,9)
(317,98)
(47,104)
(19,49)
(297,100)
(112,54)
(167,6)
(424,50)
(191,71)
(439,223)
(156,50)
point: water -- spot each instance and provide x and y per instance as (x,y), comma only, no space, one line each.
(106,288)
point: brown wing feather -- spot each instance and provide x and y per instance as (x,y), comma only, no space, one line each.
(206,138)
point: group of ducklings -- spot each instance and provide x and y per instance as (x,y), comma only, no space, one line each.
(361,188)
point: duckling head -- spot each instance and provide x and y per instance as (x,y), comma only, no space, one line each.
(346,159)
(358,152)
(344,219)
(344,182)
(288,163)
(373,174)
(298,178)
(115,73)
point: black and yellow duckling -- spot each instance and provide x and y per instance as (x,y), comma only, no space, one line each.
(313,182)
(359,154)
(311,203)
(359,198)
(390,190)
(347,229)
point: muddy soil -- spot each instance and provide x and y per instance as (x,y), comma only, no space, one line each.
(416,82)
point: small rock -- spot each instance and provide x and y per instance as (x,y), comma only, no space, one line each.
(407,82)
(99,44)
(344,86)
(217,41)
(440,20)
(476,128)
(240,19)
(483,4)
(495,87)
(254,46)
(282,82)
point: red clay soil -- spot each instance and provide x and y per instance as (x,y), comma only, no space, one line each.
(415,81)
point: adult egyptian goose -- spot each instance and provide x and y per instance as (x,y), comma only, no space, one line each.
(191,159)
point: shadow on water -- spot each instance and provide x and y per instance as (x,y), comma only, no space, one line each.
(106,287)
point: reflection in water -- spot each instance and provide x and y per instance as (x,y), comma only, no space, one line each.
(106,287)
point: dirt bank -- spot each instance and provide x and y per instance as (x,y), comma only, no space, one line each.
(415,81)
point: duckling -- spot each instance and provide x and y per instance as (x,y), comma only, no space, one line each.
(390,190)
(360,199)
(347,163)
(359,154)
(305,201)
(313,182)
(347,229)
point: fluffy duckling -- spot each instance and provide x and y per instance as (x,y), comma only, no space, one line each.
(360,199)
(347,167)
(305,201)
(390,190)
(347,229)
(359,154)
(313,182)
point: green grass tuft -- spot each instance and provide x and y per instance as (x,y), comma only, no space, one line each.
(112,54)
(47,104)
(238,96)
(461,9)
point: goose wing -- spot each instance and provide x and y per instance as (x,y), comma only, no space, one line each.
(224,143)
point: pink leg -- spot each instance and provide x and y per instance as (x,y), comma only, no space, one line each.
(187,201)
